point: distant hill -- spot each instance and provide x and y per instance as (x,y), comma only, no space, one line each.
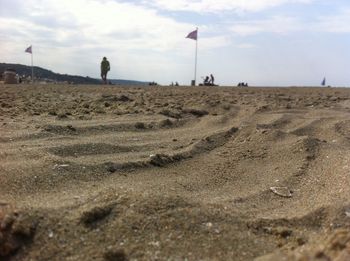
(127,82)
(47,74)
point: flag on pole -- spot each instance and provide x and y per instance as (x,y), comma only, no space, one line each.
(323,83)
(193,35)
(29,49)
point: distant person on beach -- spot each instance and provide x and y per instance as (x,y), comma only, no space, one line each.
(105,67)
(206,80)
(242,84)
(211,79)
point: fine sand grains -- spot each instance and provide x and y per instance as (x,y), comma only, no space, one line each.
(174,173)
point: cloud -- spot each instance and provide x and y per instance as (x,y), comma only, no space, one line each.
(214,42)
(337,23)
(246,46)
(213,6)
(275,24)
(102,22)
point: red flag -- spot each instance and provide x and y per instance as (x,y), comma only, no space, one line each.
(193,35)
(29,49)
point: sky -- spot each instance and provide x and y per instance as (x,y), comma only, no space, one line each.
(262,42)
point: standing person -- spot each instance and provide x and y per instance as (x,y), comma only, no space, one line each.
(105,67)
(211,79)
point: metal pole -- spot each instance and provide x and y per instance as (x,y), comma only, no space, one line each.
(32,67)
(195,63)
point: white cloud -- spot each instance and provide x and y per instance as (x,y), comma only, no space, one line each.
(337,23)
(211,6)
(275,24)
(106,23)
(246,46)
(214,42)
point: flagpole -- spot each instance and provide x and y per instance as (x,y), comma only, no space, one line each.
(194,36)
(195,63)
(32,66)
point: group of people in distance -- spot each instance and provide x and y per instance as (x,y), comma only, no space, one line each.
(242,84)
(106,67)
(208,81)
(174,84)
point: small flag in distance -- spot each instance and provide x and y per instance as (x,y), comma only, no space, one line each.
(193,35)
(29,49)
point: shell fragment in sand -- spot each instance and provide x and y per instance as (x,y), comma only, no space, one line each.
(59,166)
(282,191)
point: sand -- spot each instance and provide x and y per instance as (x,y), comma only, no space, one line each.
(174,173)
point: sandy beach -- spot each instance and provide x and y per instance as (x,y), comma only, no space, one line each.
(174,173)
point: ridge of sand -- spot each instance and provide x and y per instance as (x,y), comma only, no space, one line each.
(174,173)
